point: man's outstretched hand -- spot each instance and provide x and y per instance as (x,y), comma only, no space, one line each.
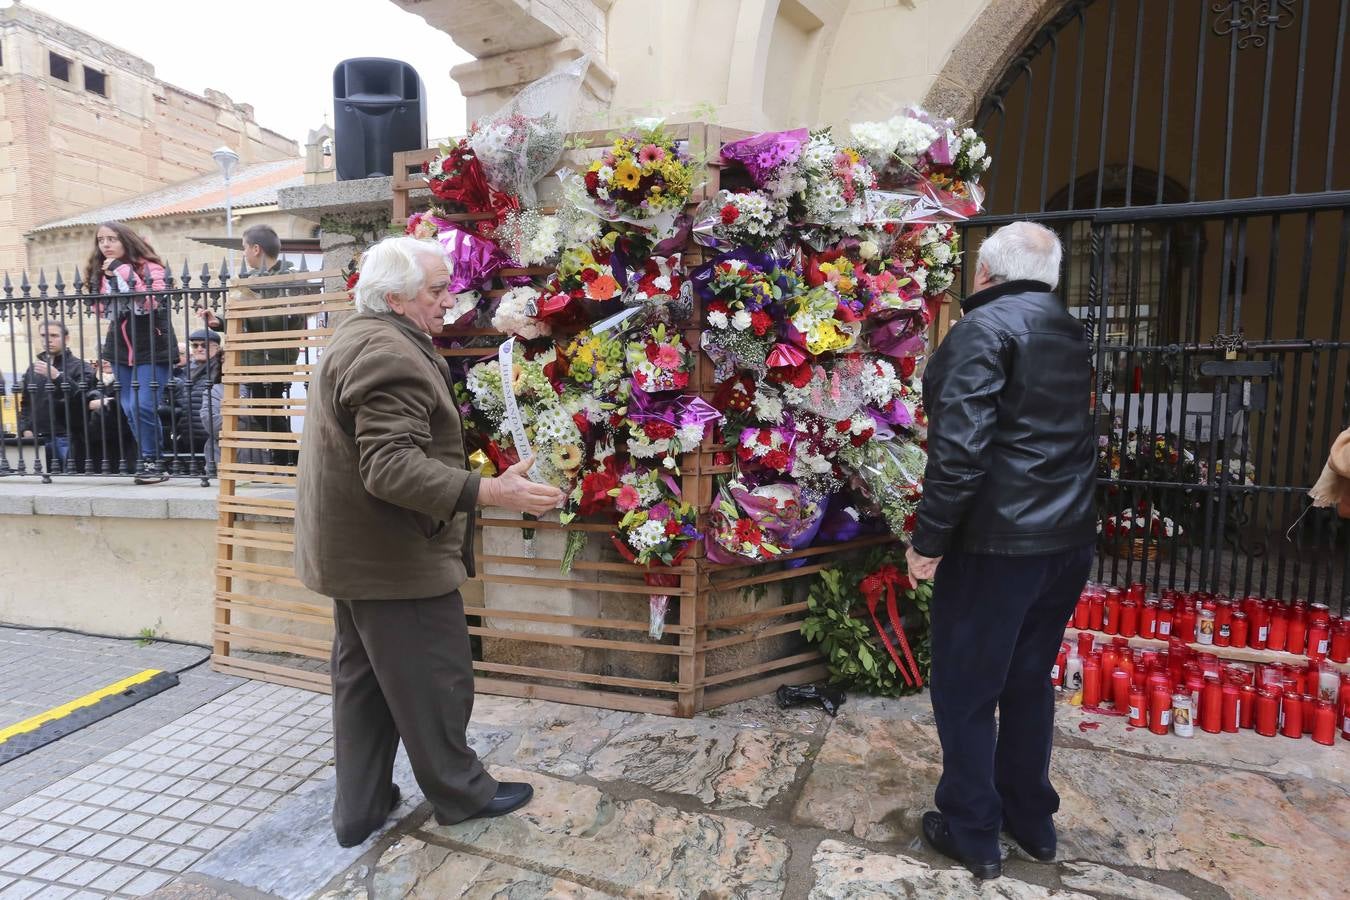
(513,489)
(921,568)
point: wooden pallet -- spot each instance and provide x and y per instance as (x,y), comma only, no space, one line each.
(720,645)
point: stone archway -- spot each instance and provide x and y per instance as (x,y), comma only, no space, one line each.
(998,34)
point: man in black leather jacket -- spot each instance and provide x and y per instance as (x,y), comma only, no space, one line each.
(1007,522)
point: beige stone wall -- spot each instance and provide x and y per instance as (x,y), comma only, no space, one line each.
(64,149)
(756,63)
(111,576)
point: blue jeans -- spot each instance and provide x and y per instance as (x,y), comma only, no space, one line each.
(139,389)
(997,622)
(61,443)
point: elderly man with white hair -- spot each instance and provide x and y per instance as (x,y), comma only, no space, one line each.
(1007,524)
(384,526)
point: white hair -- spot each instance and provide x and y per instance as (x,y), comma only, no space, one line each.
(1022,251)
(391,268)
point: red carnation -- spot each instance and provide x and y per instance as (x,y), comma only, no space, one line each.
(681,380)
(447,166)
(592,181)
(657,430)
(745,453)
(843,427)
(907,367)
(889,228)
(589,275)
(801,376)
(776,459)
(721,458)
(760,322)
(579,419)
(718,306)
(730,214)
(672,528)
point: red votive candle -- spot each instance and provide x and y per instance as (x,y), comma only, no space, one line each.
(1138,712)
(1340,641)
(1095,612)
(1297,635)
(1120,689)
(1232,708)
(1324,723)
(1129,618)
(1111,619)
(1223,623)
(1160,710)
(1279,626)
(1082,612)
(1291,712)
(1268,712)
(1247,706)
(1259,613)
(1148,618)
(1239,629)
(1211,705)
(1319,631)
(1084,644)
(1309,708)
(1092,681)
(1166,612)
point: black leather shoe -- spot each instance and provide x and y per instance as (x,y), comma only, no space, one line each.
(510,796)
(935,831)
(351,840)
(1039,846)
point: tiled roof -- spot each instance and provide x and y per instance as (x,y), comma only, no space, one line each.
(255,185)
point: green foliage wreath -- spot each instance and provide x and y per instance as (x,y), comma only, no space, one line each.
(838,621)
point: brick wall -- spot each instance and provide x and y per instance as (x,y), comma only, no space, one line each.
(64,149)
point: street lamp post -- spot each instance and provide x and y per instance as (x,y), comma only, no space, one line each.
(227,159)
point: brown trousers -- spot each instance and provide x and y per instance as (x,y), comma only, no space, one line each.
(403,669)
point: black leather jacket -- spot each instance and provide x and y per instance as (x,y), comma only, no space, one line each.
(1011,457)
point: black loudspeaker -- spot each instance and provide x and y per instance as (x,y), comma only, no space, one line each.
(378,110)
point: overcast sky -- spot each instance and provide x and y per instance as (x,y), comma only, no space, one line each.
(277,55)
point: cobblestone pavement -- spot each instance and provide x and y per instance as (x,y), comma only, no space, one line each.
(232,800)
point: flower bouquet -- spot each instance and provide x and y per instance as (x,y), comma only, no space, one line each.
(660,360)
(518,313)
(534,239)
(522,141)
(655,533)
(645,178)
(750,219)
(1137,533)
(771,160)
(832,199)
(767,449)
(456,176)
(890,474)
(663,428)
(738,536)
(743,294)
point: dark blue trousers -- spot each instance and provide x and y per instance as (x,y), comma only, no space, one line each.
(997,623)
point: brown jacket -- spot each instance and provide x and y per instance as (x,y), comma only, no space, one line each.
(385,503)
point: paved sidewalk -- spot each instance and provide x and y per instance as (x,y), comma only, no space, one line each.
(42,669)
(232,800)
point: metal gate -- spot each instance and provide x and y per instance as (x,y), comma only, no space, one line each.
(1186,154)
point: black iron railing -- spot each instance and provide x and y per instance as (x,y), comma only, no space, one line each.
(113,383)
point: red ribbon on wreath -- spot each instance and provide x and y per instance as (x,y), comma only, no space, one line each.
(890,579)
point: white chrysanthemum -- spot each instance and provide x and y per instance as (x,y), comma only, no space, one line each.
(768,407)
(717,319)
(649,534)
(741,320)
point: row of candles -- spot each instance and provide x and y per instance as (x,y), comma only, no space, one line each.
(1214,619)
(1178,688)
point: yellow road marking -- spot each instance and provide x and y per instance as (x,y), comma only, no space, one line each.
(65,709)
